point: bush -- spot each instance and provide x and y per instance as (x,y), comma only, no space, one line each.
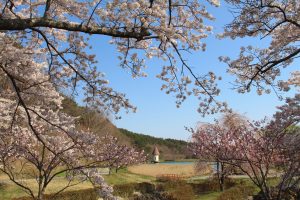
(212,185)
(127,190)
(153,196)
(289,194)
(141,191)
(237,193)
(145,187)
(179,190)
(124,190)
(183,192)
(87,194)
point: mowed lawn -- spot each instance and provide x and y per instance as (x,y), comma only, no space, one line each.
(154,170)
(9,190)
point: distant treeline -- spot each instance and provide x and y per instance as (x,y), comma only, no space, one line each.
(147,143)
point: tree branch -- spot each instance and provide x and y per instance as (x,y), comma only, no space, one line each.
(22,24)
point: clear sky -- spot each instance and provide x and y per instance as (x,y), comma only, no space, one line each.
(157,114)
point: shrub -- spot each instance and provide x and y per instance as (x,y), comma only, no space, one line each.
(172,190)
(229,183)
(183,192)
(212,185)
(288,194)
(127,190)
(124,190)
(237,193)
(170,184)
(179,190)
(145,187)
(153,196)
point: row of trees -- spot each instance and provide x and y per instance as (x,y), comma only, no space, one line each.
(141,141)
(255,149)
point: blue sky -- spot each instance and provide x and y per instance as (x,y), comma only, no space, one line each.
(157,114)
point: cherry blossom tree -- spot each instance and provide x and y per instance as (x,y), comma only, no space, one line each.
(207,143)
(59,149)
(256,148)
(139,29)
(119,155)
(276,21)
(38,140)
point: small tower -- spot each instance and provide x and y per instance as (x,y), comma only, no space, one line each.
(155,154)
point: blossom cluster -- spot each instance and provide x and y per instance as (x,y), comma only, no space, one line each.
(271,20)
(140,30)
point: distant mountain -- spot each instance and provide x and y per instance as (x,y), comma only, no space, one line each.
(170,149)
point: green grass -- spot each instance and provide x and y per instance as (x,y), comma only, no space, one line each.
(9,190)
(123,176)
(273,181)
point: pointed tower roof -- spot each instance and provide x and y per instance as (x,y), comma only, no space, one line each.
(155,151)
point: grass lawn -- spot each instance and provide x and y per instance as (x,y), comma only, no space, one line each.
(124,176)
(9,190)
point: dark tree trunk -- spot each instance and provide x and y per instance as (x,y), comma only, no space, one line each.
(220,174)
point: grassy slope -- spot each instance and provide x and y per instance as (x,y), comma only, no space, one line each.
(123,176)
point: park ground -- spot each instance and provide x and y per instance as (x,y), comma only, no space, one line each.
(146,173)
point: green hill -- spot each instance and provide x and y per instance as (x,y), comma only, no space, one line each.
(95,121)
(170,149)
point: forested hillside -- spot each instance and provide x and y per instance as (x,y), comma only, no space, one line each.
(170,149)
(95,121)
(92,120)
